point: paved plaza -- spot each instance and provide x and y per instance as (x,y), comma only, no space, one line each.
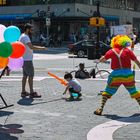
(52,118)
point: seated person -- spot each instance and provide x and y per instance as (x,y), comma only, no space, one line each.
(82,73)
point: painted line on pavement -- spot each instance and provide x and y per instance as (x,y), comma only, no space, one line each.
(72,69)
(19,78)
(40,78)
(62,69)
(49,57)
(105,131)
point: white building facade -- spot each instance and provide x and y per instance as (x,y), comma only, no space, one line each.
(68,16)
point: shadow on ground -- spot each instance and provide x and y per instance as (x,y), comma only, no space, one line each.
(131,119)
(25,101)
(5,113)
(30,101)
(6,130)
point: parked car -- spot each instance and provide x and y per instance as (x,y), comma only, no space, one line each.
(80,48)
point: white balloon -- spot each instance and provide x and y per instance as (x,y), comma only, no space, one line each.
(2,29)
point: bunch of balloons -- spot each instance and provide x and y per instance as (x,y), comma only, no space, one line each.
(11,50)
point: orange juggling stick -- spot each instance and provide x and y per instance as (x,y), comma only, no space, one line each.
(62,81)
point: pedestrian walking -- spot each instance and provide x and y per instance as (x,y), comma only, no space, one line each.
(28,68)
(59,40)
(121,58)
(133,38)
(6,71)
(51,41)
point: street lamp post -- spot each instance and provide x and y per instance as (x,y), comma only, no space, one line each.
(97,21)
(47,18)
(98,33)
(126,6)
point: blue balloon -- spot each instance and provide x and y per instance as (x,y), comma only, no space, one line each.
(74,94)
(12,34)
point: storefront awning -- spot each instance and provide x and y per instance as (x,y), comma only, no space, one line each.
(15,16)
(111,18)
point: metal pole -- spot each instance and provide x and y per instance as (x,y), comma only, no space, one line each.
(98,33)
(126,4)
(47,31)
(47,26)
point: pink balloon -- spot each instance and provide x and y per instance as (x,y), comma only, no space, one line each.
(2,29)
(15,64)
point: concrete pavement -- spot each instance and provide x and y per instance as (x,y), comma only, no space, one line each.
(51,117)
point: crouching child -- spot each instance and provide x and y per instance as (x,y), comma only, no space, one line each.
(73,87)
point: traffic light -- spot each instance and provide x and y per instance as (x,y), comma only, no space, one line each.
(97,21)
(48,9)
(41,13)
(3,2)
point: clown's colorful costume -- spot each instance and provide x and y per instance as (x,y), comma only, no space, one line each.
(121,58)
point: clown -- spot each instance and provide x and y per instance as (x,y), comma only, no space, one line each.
(121,58)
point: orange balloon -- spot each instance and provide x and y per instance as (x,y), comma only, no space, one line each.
(3,62)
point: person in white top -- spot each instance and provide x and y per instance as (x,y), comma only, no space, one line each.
(133,38)
(73,87)
(28,68)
